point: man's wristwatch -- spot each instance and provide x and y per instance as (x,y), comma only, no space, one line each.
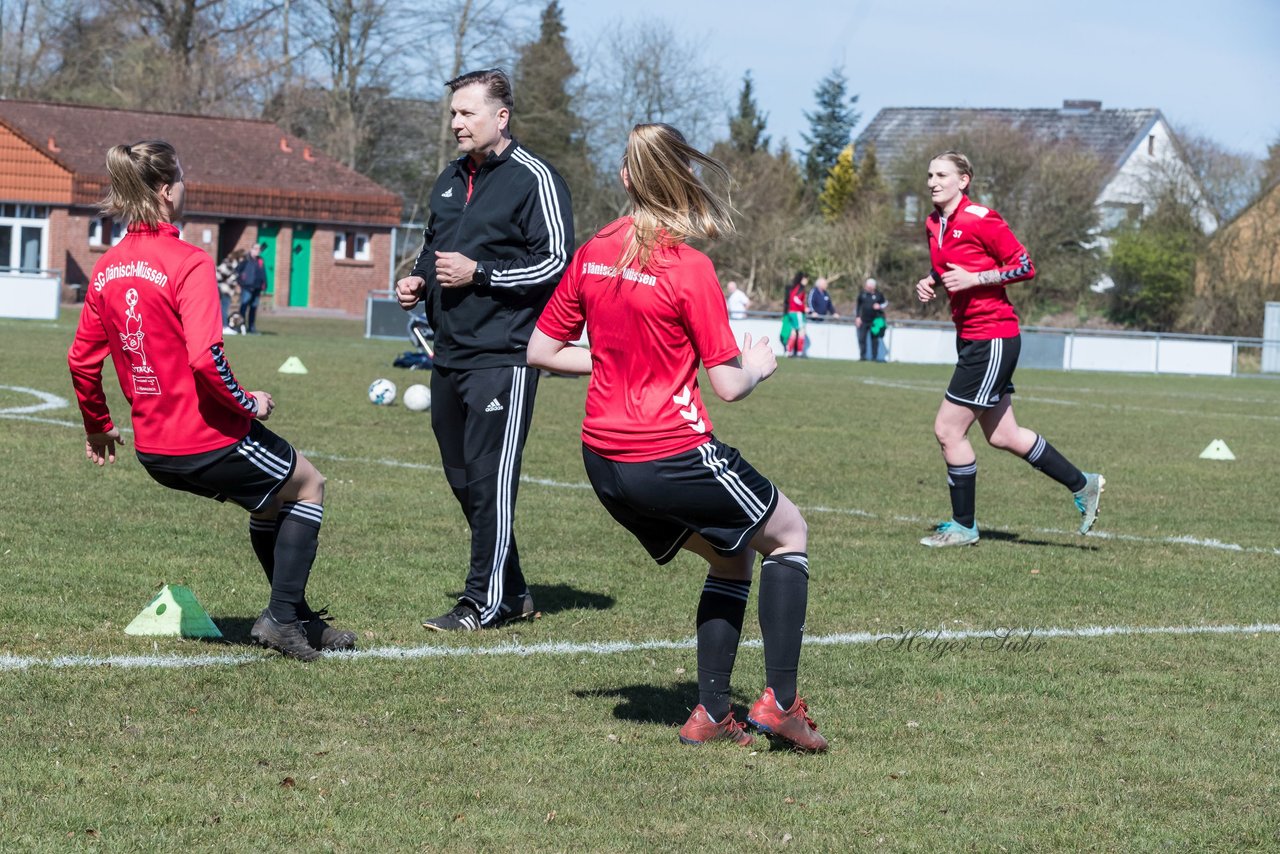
(481,275)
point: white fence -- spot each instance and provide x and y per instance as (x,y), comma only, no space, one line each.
(30,296)
(934,343)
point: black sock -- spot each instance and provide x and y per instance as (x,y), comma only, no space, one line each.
(297,535)
(1045,459)
(784,598)
(262,536)
(963,481)
(720,615)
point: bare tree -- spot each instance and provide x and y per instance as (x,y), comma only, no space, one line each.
(352,50)
(649,73)
(1230,179)
(25,51)
(465,35)
(770,219)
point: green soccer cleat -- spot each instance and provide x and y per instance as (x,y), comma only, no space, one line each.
(951,533)
(1087,500)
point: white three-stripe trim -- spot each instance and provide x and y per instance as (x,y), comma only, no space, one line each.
(750,504)
(263,459)
(505,510)
(993,370)
(549,201)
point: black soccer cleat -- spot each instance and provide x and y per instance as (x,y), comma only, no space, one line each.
(463,617)
(513,609)
(323,636)
(289,639)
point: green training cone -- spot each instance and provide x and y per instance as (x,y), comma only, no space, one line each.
(293,365)
(174,612)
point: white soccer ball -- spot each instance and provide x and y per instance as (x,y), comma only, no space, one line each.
(382,392)
(417,397)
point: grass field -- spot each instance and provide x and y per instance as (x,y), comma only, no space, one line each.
(561,734)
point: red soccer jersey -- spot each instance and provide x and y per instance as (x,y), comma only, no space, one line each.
(975,238)
(153,306)
(648,331)
(796,299)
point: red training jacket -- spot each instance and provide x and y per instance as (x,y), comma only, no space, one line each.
(975,238)
(153,306)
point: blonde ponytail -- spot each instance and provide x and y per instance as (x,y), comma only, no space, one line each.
(670,203)
(137,173)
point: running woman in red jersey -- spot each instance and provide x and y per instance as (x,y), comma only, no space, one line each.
(153,308)
(974,257)
(654,311)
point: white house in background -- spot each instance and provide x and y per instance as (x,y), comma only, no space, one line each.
(1138,145)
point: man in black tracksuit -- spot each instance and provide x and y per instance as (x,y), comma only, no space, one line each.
(498,238)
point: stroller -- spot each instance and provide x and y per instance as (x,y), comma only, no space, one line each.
(421,334)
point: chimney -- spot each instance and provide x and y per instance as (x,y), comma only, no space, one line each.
(306,154)
(53,145)
(1079,106)
(284,146)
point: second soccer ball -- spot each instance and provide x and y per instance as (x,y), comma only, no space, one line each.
(382,392)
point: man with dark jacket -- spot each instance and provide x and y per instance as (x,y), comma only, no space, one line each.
(252,274)
(498,238)
(869,318)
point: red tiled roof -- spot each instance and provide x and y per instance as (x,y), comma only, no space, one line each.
(235,167)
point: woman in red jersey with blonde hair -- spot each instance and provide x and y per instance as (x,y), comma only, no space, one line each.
(152,307)
(654,311)
(975,256)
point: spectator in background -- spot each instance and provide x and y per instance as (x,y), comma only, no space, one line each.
(252,274)
(737,301)
(869,318)
(228,284)
(793,308)
(820,305)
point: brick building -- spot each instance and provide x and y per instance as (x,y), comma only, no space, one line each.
(328,229)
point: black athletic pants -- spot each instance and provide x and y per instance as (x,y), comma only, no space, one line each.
(481,418)
(865,340)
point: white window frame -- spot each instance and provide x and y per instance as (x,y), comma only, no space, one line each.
(118,231)
(18,216)
(352,246)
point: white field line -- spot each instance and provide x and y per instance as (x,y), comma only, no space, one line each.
(936,390)
(922,637)
(22,414)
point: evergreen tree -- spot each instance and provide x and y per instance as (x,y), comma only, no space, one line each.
(840,187)
(544,118)
(830,128)
(870,181)
(746,129)
(1271,167)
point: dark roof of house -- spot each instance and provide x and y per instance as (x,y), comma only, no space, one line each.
(236,167)
(1110,134)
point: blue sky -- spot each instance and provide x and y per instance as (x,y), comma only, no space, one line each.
(1207,66)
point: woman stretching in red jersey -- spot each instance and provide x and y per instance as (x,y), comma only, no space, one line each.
(654,311)
(974,256)
(153,308)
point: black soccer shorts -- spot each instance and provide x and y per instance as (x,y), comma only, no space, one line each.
(710,490)
(984,371)
(249,473)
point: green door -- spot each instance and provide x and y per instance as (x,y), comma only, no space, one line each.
(300,266)
(267,233)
